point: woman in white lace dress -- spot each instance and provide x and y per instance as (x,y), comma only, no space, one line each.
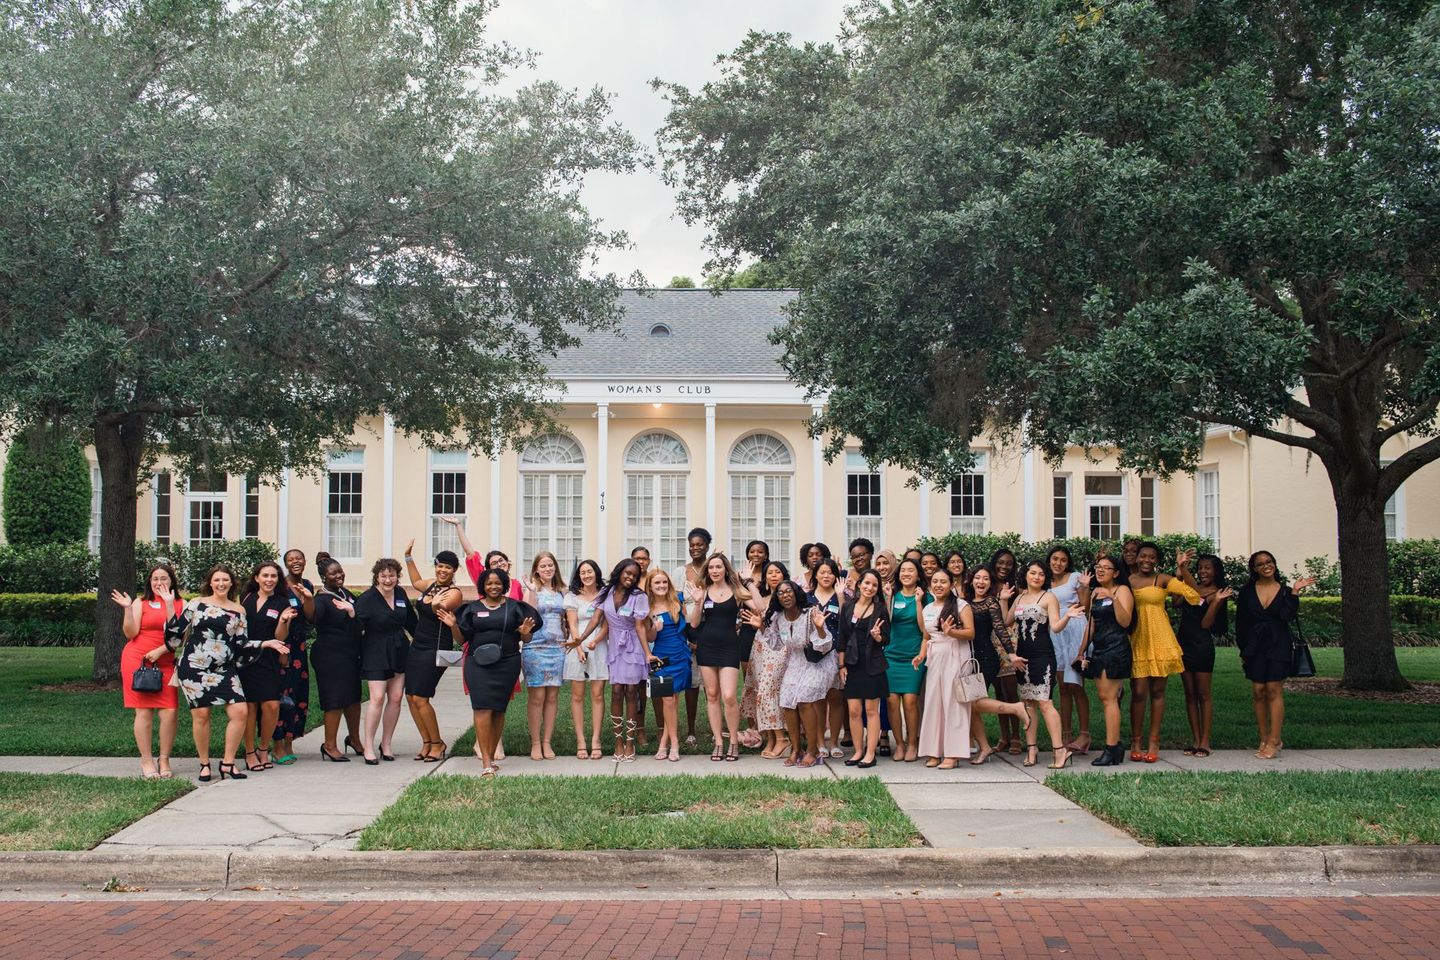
(810,671)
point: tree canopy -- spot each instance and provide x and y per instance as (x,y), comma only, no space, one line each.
(232,230)
(1099,225)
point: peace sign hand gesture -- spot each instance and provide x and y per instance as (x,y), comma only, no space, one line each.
(875,633)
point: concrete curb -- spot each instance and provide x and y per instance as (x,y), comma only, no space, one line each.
(170,869)
(410,870)
(595,873)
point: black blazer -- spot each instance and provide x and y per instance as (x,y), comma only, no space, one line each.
(861,650)
(384,629)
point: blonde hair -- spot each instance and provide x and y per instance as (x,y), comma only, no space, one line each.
(731,578)
(671,603)
(557,583)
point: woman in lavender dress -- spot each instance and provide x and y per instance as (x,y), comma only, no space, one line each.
(626,612)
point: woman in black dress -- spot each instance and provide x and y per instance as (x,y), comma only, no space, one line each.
(864,631)
(294,669)
(1200,624)
(994,646)
(713,612)
(494,627)
(385,616)
(422,668)
(1105,657)
(1035,615)
(335,658)
(1263,612)
(268,615)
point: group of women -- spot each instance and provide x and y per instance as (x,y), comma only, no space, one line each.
(833,662)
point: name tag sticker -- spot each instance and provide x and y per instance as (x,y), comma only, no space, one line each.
(154,604)
(832,607)
(709,604)
(482,613)
(399,603)
(588,610)
(854,619)
(294,602)
(273,614)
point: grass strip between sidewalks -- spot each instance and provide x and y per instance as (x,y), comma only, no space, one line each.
(1373,808)
(59,811)
(449,812)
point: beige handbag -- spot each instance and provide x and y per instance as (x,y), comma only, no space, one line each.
(970,684)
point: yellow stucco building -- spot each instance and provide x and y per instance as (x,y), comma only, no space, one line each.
(685,418)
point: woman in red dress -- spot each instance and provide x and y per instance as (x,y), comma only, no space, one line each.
(144,628)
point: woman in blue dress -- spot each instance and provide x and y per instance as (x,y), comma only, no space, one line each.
(1071,588)
(672,648)
(544,656)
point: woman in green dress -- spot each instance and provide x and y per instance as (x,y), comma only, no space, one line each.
(907,630)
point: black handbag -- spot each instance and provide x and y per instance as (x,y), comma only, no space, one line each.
(659,685)
(487,654)
(1302,664)
(147,678)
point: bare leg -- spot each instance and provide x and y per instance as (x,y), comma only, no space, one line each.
(144,727)
(1157,711)
(857,710)
(1139,694)
(813,730)
(597,713)
(710,676)
(269,718)
(484,737)
(252,720)
(200,731)
(577,715)
(910,704)
(872,729)
(792,724)
(1192,705)
(1206,703)
(352,724)
(692,706)
(1110,700)
(375,709)
(551,704)
(534,709)
(237,720)
(730,699)
(332,730)
(168,721)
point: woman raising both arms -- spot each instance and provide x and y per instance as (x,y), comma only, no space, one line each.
(1157,654)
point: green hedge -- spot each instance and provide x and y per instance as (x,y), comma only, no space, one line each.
(47,568)
(1415,621)
(47,490)
(47,619)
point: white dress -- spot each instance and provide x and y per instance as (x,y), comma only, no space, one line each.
(804,682)
(944,721)
(595,666)
(1067,642)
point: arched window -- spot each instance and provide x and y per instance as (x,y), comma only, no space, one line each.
(657,497)
(762,473)
(552,500)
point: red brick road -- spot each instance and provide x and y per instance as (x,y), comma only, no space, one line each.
(1377,928)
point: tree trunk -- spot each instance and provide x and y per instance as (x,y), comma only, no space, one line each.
(119,448)
(1365,589)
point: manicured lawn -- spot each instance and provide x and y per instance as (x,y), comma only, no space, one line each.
(643,813)
(58,811)
(80,722)
(1264,809)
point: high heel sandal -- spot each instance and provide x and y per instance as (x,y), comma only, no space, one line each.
(1059,764)
(1136,753)
(232,773)
(428,757)
(326,755)
(151,774)
(733,753)
(617,726)
(718,753)
(983,757)
(630,728)
(264,764)
(254,769)
(205,776)
(1032,755)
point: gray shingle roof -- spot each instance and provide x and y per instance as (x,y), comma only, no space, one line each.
(717,336)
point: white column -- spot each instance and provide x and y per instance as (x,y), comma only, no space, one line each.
(924,490)
(817,484)
(387,517)
(602,467)
(710,468)
(282,525)
(494,542)
(1027,487)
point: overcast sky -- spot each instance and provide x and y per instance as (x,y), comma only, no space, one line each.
(620,45)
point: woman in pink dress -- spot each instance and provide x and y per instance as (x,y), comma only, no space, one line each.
(144,628)
(945,721)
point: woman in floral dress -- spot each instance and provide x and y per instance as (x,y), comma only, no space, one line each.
(211,646)
(761,700)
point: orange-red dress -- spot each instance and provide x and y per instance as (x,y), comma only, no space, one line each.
(152,634)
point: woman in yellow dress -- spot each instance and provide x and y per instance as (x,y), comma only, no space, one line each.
(1156,651)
